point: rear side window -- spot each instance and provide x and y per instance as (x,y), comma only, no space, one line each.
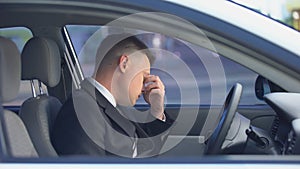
(19,35)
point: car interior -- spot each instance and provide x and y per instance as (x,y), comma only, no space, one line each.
(48,63)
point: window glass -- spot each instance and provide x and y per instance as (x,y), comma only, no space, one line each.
(19,35)
(284,11)
(182,66)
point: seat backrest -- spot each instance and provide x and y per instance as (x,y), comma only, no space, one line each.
(41,61)
(15,139)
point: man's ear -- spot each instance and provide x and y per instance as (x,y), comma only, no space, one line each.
(123,63)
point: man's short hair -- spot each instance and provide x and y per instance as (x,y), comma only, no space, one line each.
(115,45)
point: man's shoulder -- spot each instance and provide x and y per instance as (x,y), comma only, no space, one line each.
(81,100)
(77,122)
(80,109)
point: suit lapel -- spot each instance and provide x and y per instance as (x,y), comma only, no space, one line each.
(109,110)
(145,144)
(127,126)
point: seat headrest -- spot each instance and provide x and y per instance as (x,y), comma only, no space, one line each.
(41,61)
(10,69)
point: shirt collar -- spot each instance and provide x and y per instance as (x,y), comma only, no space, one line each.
(103,91)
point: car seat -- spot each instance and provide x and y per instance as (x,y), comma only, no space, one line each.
(15,140)
(41,61)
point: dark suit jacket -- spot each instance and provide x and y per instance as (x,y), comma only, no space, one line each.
(88,124)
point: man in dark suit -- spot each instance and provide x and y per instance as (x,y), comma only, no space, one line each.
(99,118)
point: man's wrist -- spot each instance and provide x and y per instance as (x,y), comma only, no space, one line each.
(163,118)
(160,116)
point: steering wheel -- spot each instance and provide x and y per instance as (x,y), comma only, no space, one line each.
(214,144)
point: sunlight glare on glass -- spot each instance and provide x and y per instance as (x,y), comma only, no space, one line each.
(296,15)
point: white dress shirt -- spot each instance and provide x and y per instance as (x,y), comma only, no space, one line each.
(103,91)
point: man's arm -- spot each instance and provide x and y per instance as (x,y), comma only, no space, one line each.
(158,123)
(154,94)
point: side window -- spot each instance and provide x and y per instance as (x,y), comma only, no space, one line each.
(185,69)
(20,35)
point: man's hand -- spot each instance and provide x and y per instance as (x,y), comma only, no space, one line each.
(154,93)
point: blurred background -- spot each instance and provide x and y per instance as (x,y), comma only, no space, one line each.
(285,11)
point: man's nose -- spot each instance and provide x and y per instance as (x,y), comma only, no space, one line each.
(143,89)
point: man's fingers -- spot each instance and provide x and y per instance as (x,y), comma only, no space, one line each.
(153,82)
(151,78)
(154,92)
(154,85)
(151,86)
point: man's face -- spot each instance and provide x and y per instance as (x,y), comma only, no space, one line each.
(130,83)
(137,82)
(136,85)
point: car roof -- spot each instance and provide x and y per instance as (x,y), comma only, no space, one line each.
(59,11)
(63,12)
(248,20)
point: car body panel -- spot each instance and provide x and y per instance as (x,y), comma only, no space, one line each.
(269,53)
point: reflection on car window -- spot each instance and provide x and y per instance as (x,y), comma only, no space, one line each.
(19,35)
(172,60)
(284,11)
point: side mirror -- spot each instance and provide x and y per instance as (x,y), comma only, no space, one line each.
(264,86)
(261,87)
